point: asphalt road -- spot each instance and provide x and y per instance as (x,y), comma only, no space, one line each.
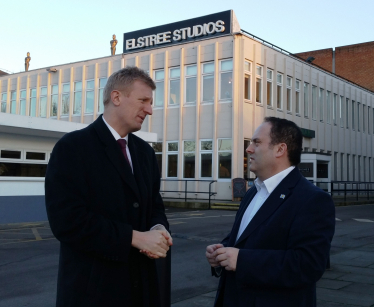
(29,257)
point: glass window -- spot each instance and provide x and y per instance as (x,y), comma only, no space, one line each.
(353,115)
(247,66)
(90,96)
(54,100)
(224,158)
(208,82)
(341,111)
(189,159)
(363,118)
(102,83)
(321,106)
(258,84)
(334,109)
(77,108)
(13,102)
(206,154)
(289,94)
(22,102)
(358,116)
(328,107)
(65,99)
(32,103)
(279,91)
(191,79)
(347,113)
(314,101)
(247,80)
(269,87)
(297,97)
(158,151)
(10,154)
(4,97)
(22,169)
(174,86)
(226,80)
(43,102)
(306,99)
(172,159)
(159,91)
(35,155)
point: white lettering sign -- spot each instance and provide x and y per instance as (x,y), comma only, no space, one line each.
(178,35)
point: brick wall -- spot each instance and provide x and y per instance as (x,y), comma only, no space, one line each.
(323,57)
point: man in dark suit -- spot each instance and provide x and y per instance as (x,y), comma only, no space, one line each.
(103,203)
(279,244)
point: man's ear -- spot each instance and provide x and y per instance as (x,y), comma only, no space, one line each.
(281,150)
(114,96)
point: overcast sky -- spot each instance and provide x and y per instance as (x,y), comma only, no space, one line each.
(60,32)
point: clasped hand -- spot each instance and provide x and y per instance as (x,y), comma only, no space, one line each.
(154,243)
(226,257)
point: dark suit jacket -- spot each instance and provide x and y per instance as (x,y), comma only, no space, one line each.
(284,249)
(93,203)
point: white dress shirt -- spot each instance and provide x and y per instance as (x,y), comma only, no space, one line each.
(117,137)
(264,189)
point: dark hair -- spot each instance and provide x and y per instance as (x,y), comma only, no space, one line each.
(122,80)
(286,131)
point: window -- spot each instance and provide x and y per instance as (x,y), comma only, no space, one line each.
(321,106)
(368,119)
(32,105)
(172,159)
(348,166)
(269,87)
(354,167)
(347,113)
(159,91)
(90,96)
(224,158)
(206,154)
(77,108)
(259,84)
(335,166)
(191,79)
(358,116)
(22,102)
(353,115)
(247,80)
(373,121)
(54,100)
(341,111)
(279,91)
(208,82)
(363,118)
(334,109)
(65,99)
(157,147)
(22,170)
(289,94)
(189,159)
(297,97)
(4,97)
(102,83)
(40,156)
(43,102)
(174,86)
(341,167)
(328,107)
(10,154)
(306,99)
(314,100)
(225,80)
(13,102)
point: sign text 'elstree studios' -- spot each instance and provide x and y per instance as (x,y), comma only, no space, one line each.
(176,36)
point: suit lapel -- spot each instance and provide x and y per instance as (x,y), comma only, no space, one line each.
(275,199)
(115,155)
(136,158)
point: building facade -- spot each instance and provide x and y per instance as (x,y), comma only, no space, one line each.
(215,84)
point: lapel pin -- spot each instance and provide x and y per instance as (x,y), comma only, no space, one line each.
(282,196)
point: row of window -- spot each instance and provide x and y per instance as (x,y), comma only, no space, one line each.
(353,167)
(188,158)
(22,155)
(66,92)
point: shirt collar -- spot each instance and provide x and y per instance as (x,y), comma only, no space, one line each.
(271,183)
(114,132)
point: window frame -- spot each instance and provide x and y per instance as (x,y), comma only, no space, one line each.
(169,153)
(221,72)
(156,81)
(249,74)
(269,82)
(217,160)
(86,90)
(189,103)
(259,77)
(279,87)
(205,152)
(202,82)
(183,159)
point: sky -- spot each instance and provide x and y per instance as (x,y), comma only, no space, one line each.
(60,32)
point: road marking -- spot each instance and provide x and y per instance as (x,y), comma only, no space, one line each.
(176,223)
(27,241)
(336,219)
(194,217)
(228,214)
(364,220)
(36,234)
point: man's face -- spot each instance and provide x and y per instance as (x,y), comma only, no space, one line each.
(262,154)
(134,108)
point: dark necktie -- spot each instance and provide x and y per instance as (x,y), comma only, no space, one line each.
(122,143)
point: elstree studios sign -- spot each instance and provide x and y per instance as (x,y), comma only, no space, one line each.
(204,27)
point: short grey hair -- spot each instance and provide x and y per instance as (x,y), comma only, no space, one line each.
(123,79)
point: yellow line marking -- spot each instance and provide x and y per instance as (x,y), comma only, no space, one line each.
(36,234)
(176,223)
(27,241)
(196,214)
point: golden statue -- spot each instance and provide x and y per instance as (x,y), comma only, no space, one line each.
(113,44)
(27,61)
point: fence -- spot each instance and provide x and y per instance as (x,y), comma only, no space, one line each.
(186,191)
(348,189)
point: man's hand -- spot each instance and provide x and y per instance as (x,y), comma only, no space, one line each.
(227,257)
(168,237)
(211,254)
(153,242)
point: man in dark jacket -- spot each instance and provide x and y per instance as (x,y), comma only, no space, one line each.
(103,203)
(279,244)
